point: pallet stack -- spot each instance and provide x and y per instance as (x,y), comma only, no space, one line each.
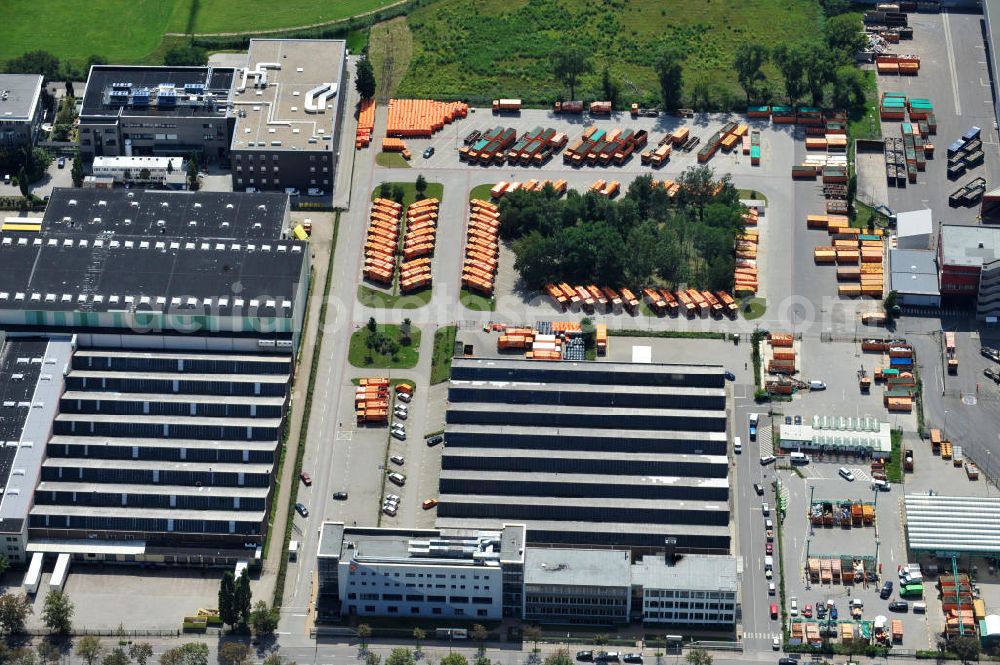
(858,256)
(482,249)
(366,124)
(745,277)
(422,117)
(418,245)
(383,240)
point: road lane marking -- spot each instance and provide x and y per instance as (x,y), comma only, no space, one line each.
(951,63)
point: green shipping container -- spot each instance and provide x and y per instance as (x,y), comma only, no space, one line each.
(755,152)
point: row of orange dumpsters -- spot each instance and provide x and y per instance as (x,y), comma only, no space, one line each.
(539,345)
(382,246)
(371,399)
(482,248)
(690,302)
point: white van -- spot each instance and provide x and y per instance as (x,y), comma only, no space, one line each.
(798,458)
(846,473)
(737,445)
(817,385)
(769,563)
(881,485)
(920,608)
(765,508)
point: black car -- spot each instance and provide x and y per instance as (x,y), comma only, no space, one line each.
(633,658)
(730,376)
(428,152)
(787,661)
(585,655)
(340,496)
(798,420)
(788,420)
(886,590)
(899,606)
(434,440)
(61,163)
(759,489)
(301,509)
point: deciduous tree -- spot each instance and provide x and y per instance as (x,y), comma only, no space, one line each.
(669,72)
(569,64)
(89,648)
(57,612)
(364,78)
(14,611)
(749,61)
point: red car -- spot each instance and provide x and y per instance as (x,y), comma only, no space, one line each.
(807,611)
(306,478)
(769,546)
(774,610)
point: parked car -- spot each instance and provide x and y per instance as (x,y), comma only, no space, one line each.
(585,655)
(401,414)
(608,657)
(397,478)
(389,510)
(61,163)
(392,497)
(429,503)
(291,191)
(404,397)
(767,459)
(434,440)
(886,590)
(633,658)
(774,610)
(793,606)
(397,459)
(759,489)
(730,376)
(429,152)
(807,611)
(340,496)
(776,643)
(301,509)
(846,474)
(833,612)
(314,191)
(899,606)
(770,588)
(769,548)
(399,434)
(306,478)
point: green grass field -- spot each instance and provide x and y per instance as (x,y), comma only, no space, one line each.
(374,298)
(130,31)
(358,354)
(491,48)
(444,347)
(391,160)
(481,192)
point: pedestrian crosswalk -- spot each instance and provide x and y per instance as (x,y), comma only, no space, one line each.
(760,636)
(765,437)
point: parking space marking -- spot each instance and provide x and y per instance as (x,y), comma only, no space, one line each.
(345,435)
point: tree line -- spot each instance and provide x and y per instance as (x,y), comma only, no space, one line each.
(818,66)
(645,238)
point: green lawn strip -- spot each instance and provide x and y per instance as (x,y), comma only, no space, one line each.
(894,468)
(435,190)
(391,160)
(444,348)
(752,194)
(753,308)
(481,192)
(670,334)
(476,301)
(406,358)
(279,582)
(375,298)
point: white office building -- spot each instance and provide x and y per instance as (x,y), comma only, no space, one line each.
(414,573)
(152,170)
(689,591)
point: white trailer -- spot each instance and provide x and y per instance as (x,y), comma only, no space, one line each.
(240,567)
(34,575)
(61,572)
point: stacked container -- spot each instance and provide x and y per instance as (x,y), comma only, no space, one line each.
(482,250)
(371,400)
(366,124)
(383,241)
(418,245)
(422,117)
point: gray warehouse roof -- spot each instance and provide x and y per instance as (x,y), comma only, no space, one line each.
(188,215)
(952,523)
(578,527)
(576,567)
(594,433)
(584,368)
(584,478)
(914,271)
(689,572)
(22,95)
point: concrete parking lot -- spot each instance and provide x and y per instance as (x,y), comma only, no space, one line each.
(54,177)
(102,596)
(954,76)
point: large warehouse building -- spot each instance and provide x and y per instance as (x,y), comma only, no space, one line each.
(147,370)
(608,454)
(969,261)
